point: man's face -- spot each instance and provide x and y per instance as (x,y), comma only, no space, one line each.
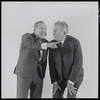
(40,31)
(58,33)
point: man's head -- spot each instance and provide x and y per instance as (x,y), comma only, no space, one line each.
(40,29)
(60,30)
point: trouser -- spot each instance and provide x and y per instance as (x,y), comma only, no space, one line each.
(35,85)
(59,93)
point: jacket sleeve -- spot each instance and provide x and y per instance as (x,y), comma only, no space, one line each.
(77,65)
(28,42)
(52,69)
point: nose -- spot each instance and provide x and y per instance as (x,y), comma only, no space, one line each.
(44,33)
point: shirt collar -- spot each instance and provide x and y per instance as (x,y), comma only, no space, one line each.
(63,40)
(35,36)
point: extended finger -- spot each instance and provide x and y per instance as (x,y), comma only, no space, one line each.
(54,91)
(74,92)
(59,87)
(54,46)
(75,88)
(55,42)
(70,92)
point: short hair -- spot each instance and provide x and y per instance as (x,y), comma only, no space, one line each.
(36,24)
(63,25)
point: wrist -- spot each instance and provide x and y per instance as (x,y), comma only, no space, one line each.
(70,82)
(44,45)
(55,83)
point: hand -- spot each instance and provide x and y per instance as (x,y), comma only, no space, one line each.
(52,45)
(71,89)
(55,87)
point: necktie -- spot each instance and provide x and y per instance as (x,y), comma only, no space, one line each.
(62,63)
(60,47)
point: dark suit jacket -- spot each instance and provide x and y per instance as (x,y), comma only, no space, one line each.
(28,61)
(72,59)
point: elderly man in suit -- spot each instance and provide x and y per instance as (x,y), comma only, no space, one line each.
(31,65)
(65,62)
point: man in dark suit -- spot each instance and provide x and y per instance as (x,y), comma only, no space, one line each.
(32,61)
(65,62)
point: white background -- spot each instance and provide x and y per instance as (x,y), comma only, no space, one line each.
(19,18)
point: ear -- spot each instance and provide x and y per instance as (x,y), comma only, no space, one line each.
(64,33)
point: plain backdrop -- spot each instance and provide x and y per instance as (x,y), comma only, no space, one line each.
(19,18)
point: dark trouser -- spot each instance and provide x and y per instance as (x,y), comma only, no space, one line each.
(59,93)
(35,85)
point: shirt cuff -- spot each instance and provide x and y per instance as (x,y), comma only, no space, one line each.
(43,45)
(55,83)
(70,82)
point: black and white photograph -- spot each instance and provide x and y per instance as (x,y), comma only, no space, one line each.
(49,49)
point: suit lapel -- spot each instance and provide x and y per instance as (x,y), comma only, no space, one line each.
(58,49)
(64,46)
(40,40)
(36,40)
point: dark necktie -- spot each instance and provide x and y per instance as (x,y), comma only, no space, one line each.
(62,63)
(60,47)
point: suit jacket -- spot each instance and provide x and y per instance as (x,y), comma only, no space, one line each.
(28,61)
(70,60)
